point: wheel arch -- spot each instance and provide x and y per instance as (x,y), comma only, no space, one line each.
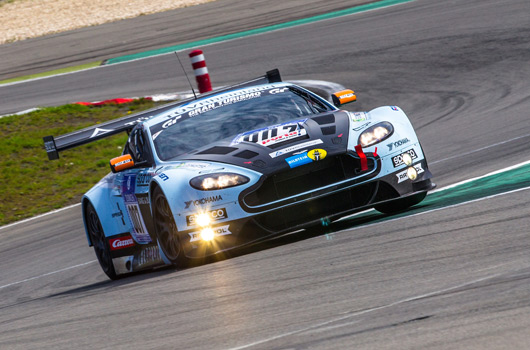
(84,203)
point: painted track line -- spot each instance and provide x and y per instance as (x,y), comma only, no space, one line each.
(39,216)
(349,315)
(479,149)
(47,274)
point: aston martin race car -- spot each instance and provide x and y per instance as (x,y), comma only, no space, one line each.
(240,165)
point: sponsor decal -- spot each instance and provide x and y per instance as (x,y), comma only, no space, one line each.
(121,243)
(402,176)
(163,176)
(394,108)
(398,160)
(317,154)
(218,231)
(216,214)
(298,160)
(125,161)
(128,191)
(193,165)
(393,145)
(295,148)
(147,256)
(142,199)
(143,179)
(198,107)
(272,134)
(203,201)
(98,131)
(278,90)
(139,120)
(357,116)
(49,146)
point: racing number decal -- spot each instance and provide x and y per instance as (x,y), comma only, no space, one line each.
(273,134)
(136,218)
(128,192)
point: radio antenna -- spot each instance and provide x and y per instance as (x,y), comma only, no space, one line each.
(189,82)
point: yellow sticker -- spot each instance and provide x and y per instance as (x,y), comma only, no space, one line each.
(317,154)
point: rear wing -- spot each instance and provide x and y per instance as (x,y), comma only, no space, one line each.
(96,132)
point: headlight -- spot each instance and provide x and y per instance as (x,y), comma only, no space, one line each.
(375,134)
(217,181)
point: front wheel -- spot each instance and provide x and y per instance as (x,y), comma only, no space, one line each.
(400,204)
(166,230)
(100,244)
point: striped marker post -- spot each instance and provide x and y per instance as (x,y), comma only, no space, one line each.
(200,70)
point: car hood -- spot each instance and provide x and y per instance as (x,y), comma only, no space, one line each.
(328,132)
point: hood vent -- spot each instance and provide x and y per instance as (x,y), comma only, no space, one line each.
(246,154)
(328,130)
(325,119)
(218,150)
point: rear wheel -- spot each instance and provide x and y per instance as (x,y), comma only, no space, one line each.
(166,229)
(400,204)
(100,244)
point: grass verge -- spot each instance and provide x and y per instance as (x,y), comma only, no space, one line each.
(30,184)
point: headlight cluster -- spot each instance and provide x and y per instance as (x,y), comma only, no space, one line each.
(217,181)
(376,133)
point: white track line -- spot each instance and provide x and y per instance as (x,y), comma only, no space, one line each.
(47,274)
(479,149)
(39,216)
(318,326)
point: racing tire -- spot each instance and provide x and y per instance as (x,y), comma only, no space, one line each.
(99,242)
(166,230)
(399,205)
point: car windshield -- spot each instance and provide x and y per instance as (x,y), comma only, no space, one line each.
(226,116)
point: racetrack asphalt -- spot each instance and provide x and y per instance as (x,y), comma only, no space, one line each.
(455,277)
(154,31)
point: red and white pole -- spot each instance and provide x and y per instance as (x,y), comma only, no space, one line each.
(200,70)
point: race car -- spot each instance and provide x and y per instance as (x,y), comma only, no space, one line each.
(240,165)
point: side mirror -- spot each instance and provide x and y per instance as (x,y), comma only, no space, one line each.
(342,97)
(121,163)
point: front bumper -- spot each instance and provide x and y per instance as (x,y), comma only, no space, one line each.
(274,214)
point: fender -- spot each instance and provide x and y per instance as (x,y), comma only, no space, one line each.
(112,219)
(402,129)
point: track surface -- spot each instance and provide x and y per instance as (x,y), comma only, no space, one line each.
(453,278)
(159,30)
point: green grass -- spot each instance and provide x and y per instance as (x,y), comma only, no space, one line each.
(30,184)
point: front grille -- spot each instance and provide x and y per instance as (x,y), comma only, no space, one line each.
(307,178)
(313,210)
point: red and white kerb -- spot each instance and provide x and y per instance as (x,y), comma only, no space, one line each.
(200,70)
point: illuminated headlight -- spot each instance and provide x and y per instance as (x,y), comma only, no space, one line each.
(407,159)
(375,134)
(207,234)
(217,181)
(412,173)
(203,219)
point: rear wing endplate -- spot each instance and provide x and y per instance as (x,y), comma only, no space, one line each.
(96,132)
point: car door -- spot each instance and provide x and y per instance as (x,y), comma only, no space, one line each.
(133,188)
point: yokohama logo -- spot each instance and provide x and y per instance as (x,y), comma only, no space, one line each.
(120,243)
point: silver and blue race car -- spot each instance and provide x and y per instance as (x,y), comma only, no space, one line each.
(240,165)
